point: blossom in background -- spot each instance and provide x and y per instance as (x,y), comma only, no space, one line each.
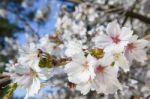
(28,77)
(80,69)
(85,11)
(46,45)
(115,38)
(135,49)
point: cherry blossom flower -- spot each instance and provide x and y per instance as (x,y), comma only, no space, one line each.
(80,69)
(115,38)
(135,49)
(28,77)
(106,80)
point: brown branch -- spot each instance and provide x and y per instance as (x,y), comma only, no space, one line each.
(138,16)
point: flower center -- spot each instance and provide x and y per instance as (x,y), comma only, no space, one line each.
(117,56)
(115,39)
(85,65)
(130,47)
(100,69)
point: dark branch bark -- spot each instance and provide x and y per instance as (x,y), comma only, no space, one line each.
(138,16)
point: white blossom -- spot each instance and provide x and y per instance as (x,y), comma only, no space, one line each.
(135,49)
(28,77)
(115,38)
(80,69)
(106,78)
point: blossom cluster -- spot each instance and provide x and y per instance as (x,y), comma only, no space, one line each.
(89,53)
(91,65)
(117,48)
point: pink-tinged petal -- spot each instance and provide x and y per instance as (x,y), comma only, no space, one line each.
(113,29)
(126,34)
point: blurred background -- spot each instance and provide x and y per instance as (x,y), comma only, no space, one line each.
(23,21)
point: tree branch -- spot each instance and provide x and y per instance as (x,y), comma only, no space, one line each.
(138,16)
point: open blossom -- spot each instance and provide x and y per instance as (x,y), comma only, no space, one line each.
(135,49)
(115,38)
(105,80)
(80,69)
(28,77)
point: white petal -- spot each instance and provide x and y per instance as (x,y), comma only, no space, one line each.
(140,55)
(34,88)
(79,77)
(123,63)
(84,87)
(102,41)
(126,33)
(78,57)
(141,43)
(113,29)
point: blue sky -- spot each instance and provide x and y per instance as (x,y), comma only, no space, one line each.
(49,26)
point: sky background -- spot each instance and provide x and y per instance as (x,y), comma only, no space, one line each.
(49,26)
